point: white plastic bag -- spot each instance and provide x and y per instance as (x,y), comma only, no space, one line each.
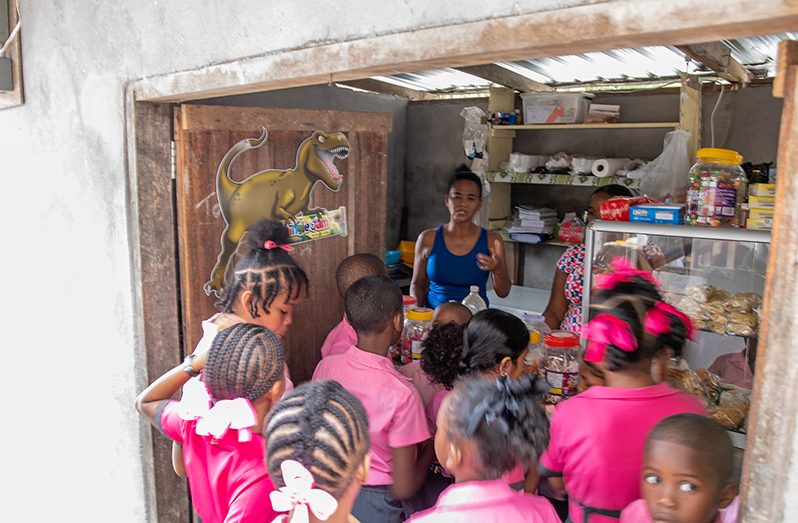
(665,178)
(475,133)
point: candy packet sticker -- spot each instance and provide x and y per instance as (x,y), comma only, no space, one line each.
(321,223)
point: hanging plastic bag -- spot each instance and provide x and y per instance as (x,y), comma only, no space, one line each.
(665,178)
(475,133)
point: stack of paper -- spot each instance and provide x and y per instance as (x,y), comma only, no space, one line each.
(534,220)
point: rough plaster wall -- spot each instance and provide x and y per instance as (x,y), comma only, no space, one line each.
(69,338)
(332,97)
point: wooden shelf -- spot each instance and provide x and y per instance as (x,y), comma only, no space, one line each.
(577,180)
(562,126)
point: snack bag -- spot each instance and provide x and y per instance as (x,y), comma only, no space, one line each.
(572,229)
(617,207)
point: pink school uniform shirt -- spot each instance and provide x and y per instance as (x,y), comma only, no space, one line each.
(228,479)
(596,443)
(426,389)
(339,339)
(637,512)
(487,502)
(393,406)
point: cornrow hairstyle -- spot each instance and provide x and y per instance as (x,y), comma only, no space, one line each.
(505,419)
(371,303)
(244,361)
(358,266)
(702,434)
(489,337)
(441,354)
(630,300)
(265,272)
(464,173)
(322,426)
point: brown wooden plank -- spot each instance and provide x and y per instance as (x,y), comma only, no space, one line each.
(786,57)
(159,285)
(771,456)
(210,117)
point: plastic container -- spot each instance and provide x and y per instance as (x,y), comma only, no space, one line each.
(407,252)
(396,353)
(417,322)
(392,257)
(717,188)
(474,301)
(532,358)
(545,108)
(560,364)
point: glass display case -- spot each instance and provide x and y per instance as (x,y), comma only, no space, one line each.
(717,277)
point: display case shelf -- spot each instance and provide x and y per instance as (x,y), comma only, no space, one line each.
(577,180)
(586,126)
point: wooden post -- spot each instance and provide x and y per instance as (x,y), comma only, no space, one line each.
(690,112)
(770,484)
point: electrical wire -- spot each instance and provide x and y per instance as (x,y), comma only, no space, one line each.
(712,116)
(12,34)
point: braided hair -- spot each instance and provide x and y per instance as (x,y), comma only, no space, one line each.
(265,272)
(504,418)
(244,361)
(323,427)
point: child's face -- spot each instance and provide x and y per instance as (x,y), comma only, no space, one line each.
(280,315)
(680,486)
(587,377)
(444,315)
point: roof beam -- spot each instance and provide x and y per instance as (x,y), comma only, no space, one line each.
(499,75)
(717,56)
(376,86)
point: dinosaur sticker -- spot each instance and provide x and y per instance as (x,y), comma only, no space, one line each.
(279,195)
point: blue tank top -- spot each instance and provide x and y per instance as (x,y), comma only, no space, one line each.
(450,276)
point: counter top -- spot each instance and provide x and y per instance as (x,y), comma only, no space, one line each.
(521,300)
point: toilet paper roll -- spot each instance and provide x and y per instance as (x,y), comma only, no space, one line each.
(608,166)
(582,164)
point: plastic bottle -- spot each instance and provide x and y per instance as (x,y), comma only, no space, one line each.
(419,321)
(474,301)
(395,351)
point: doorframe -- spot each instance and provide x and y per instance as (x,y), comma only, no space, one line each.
(603,26)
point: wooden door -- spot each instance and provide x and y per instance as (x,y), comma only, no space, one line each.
(203,135)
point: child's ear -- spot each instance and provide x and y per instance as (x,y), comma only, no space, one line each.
(505,366)
(727,495)
(398,322)
(276,392)
(243,302)
(454,458)
(362,472)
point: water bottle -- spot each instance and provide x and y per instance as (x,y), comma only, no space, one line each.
(474,301)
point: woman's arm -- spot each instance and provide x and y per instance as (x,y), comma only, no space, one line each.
(165,387)
(558,305)
(496,264)
(410,465)
(419,285)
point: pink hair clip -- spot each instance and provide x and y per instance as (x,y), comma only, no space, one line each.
(658,319)
(298,496)
(271,244)
(623,272)
(606,329)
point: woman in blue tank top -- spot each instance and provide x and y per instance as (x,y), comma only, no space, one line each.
(458,254)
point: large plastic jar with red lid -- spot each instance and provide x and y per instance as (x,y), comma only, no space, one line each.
(560,364)
(417,322)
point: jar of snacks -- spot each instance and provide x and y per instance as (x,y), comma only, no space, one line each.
(716,189)
(560,364)
(532,358)
(395,352)
(417,322)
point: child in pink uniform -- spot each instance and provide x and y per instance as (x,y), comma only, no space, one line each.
(484,429)
(400,451)
(351,269)
(597,436)
(688,474)
(219,419)
(320,432)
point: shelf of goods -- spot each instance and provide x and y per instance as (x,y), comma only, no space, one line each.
(585,126)
(717,277)
(580,180)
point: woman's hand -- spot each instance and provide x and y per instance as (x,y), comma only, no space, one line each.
(496,258)
(496,265)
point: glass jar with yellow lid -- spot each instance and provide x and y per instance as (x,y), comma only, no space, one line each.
(717,188)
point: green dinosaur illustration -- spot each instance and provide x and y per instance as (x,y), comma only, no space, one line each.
(272,194)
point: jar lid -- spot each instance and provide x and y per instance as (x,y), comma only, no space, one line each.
(409,300)
(561,339)
(419,314)
(726,156)
(534,337)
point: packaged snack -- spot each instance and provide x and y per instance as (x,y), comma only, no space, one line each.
(762,189)
(759,213)
(572,229)
(617,208)
(717,188)
(768,202)
(761,224)
(732,408)
(657,213)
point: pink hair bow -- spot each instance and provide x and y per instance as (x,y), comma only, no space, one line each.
(658,319)
(606,329)
(237,414)
(298,496)
(271,244)
(622,272)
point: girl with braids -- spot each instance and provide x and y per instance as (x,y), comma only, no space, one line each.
(486,427)
(318,434)
(597,437)
(219,421)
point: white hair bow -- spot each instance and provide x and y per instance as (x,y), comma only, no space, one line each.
(299,496)
(237,414)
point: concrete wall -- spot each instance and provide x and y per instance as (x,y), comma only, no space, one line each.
(341,99)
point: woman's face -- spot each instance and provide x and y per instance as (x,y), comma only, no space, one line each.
(463,200)
(594,206)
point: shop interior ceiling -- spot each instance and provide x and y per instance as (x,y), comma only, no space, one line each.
(737,62)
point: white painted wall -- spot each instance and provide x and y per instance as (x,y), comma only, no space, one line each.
(70,438)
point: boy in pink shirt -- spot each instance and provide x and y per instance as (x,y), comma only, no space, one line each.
(484,429)
(399,452)
(597,437)
(687,474)
(351,269)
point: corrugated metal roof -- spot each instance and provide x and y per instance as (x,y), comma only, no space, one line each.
(643,64)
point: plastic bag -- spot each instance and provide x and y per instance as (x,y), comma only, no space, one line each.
(617,207)
(572,229)
(665,177)
(475,133)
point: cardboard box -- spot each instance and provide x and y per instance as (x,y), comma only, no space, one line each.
(762,189)
(657,213)
(759,202)
(761,224)
(759,213)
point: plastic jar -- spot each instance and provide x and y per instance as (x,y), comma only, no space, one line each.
(716,189)
(560,364)
(395,352)
(407,303)
(417,322)
(532,359)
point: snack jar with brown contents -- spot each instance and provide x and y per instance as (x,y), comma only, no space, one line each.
(560,364)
